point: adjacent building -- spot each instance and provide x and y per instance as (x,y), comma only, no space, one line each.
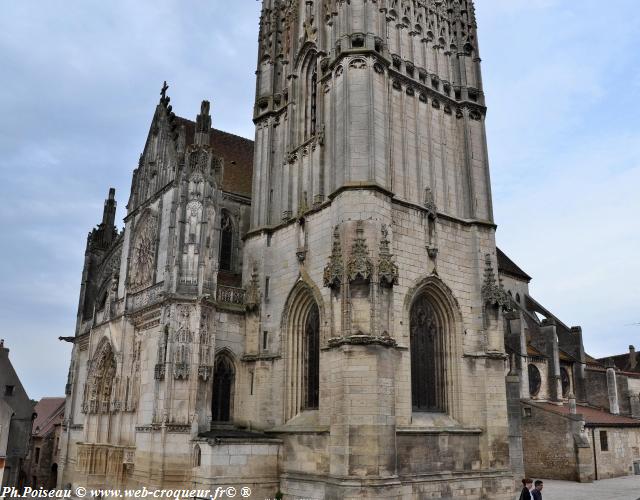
(571,416)
(41,466)
(16,416)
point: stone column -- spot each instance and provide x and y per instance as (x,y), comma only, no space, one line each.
(612,388)
(514,414)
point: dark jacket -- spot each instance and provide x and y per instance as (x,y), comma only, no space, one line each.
(536,494)
(525,495)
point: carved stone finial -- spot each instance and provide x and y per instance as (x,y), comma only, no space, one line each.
(164,98)
(359,266)
(492,293)
(253,297)
(334,270)
(203,120)
(387,269)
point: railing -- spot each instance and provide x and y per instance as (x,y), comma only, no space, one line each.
(230,295)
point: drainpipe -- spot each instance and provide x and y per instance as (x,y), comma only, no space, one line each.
(595,454)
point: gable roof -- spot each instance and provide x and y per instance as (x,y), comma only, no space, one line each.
(507,266)
(237,153)
(50,412)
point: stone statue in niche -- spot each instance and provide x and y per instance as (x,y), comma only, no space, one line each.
(144,252)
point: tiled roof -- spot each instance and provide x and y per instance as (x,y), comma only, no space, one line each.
(507,266)
(623,362)
(237,153)
(593,417)
(50,412)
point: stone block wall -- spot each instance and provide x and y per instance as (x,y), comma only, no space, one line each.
(549,447)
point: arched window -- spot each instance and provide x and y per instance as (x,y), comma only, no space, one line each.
(303,352)
(535,380)
(197,456)
(226,242)
(518,298)
(310,95)
(100,383)
(312,359)
(427,358)
(223,388)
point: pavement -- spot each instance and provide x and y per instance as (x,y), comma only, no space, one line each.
(623,488)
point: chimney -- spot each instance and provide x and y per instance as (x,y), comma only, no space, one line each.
(633,360)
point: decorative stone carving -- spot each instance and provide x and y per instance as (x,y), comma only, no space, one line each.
(359,266)
(253,297)
(183,338)
(144,251)
(387,269)
(492,293)
(334,270)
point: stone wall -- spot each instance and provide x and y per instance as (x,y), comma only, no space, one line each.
(549,447)
(623,451)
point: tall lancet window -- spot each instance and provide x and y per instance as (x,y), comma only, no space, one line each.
(427,358)
(310,96)
(303,352)
(226,242)
(312,359)
(223,385)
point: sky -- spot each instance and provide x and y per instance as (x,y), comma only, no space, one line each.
(81,78)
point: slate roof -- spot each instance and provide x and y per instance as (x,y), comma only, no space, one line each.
(50,412)
(593,417)
(237,153)
(507,266)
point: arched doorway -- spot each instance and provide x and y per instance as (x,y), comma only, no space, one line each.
(223,389)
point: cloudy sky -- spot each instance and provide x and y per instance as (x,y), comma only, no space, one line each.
(81,79)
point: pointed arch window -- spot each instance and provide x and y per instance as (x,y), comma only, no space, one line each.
(303,352)
(427,358)
(223,389)
(100,383)
(226,242)
(312,359)
(310,96)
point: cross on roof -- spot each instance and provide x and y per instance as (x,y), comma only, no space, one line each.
(165,87)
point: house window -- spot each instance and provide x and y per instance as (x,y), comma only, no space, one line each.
(427,358)
(36,457)
(226,242)
(535,380)
(8,390)
(604,441)
(265,340)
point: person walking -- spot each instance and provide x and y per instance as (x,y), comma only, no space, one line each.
(527,485)
(536,492)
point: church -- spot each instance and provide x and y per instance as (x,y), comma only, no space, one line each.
(318,313)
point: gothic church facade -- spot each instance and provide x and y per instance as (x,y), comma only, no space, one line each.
(333,330)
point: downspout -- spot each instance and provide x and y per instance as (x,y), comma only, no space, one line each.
(595,455)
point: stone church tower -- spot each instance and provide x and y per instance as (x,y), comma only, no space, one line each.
(345,338)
